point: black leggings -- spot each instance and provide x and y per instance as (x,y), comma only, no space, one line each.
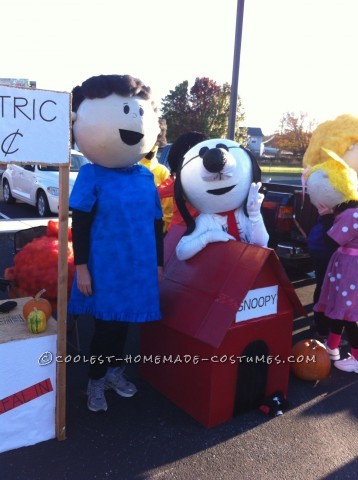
(108,340)
(337,327)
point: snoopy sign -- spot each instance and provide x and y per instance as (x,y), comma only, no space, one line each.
(258,303)
(34,126)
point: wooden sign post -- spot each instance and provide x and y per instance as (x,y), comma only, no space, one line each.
(35,128)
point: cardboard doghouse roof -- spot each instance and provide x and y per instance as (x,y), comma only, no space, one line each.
(200,296)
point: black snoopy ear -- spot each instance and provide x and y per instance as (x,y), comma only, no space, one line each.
(181,203)
(256,173)
(256,170)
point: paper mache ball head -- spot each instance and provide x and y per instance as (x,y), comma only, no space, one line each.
(216,175)
(220,179)
(115,121)
(311,360)
(331,182)
(340,136)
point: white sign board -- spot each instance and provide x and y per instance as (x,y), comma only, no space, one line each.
(27,392)
(258,303)
(34,126)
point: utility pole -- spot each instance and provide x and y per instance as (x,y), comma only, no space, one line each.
(235,69)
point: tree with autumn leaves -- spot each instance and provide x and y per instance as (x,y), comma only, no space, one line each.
(205,108)
(294,133)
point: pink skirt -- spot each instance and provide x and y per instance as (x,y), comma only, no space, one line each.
(339,293)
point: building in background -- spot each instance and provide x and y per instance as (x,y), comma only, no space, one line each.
(255,143)
(18,82)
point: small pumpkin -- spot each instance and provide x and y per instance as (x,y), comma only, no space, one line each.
(311,360)
(36,321)
(39,303)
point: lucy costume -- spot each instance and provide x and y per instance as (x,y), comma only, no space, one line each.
(339,295)
(122,250)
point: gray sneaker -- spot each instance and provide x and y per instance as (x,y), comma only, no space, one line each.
(116,380)
(96,400)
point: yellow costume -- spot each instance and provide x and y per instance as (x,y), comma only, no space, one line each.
(160,173)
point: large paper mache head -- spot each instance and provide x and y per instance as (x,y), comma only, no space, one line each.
(339,135)
(215,176)
(115,121)
(331,182)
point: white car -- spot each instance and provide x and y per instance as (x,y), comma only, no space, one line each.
(38,185)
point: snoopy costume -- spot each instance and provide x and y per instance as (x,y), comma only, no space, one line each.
(221,179)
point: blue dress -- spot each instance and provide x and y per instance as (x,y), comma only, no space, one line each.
(122,260)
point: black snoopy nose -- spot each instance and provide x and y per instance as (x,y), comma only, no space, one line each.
(214,160)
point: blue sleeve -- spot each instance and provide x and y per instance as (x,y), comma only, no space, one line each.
(83,195)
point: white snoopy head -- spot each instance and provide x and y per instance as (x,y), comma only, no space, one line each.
(215,176)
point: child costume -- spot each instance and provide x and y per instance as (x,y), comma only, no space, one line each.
(342,270)
(339,135)
(116,223)
(332,186)
(161,174)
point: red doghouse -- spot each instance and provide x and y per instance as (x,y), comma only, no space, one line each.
(226,334)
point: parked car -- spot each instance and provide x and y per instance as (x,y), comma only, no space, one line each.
(38,185)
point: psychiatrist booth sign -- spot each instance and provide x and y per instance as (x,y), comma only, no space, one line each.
(34,126)
(258,303)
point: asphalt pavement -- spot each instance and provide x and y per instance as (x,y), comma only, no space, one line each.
(148,438)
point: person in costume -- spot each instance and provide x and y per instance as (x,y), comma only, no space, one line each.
(114,205)
(161,174)
(221,179)
(341,136)
(332,185)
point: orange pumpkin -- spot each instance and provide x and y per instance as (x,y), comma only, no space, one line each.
(37,303)
(311,360)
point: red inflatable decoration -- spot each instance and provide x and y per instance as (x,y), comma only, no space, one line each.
(36,267)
